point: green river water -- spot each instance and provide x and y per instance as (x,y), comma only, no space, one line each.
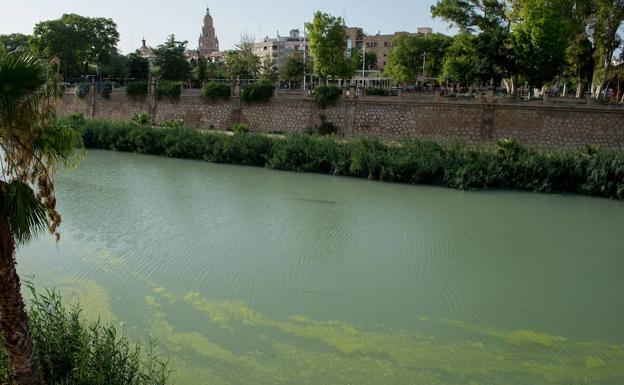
(251,276)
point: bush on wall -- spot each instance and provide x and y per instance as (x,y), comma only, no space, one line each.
(326,95)
(261,91)
(169,89)
(137,89)
(377,92)
(214,91)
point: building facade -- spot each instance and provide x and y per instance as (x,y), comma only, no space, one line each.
(147,53)
(281,47)
(381,45)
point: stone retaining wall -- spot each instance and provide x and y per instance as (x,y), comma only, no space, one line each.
(541,126)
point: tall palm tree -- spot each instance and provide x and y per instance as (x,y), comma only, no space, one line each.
(32,147)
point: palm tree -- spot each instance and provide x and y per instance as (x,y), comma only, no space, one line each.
(32,147)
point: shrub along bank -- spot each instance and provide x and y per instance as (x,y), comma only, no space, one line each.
(504,165)
(72,351)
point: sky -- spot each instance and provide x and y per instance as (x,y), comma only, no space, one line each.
(156,19)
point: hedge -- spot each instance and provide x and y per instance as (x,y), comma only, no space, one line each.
(505,164)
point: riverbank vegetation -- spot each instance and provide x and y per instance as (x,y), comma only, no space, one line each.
(72,351)
(505,165)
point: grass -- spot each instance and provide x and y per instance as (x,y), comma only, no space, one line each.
(71,351)
(505,164)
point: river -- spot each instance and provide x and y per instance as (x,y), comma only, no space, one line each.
(253,276)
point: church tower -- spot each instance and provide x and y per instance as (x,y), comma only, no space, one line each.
(208,41)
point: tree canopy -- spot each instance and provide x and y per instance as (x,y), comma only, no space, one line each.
(328,47)
(14,41)
(171,61)
(410,52)
(242,63)
(77,41)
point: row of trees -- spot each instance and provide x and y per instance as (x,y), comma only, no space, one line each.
(574,43)
(532,42)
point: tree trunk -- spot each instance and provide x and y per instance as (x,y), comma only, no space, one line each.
(13,319)
(580,90)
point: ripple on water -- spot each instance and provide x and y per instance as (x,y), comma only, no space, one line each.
(256,276)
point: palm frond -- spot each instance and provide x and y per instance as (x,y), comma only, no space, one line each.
(60,144)
(26,214)
(21,76)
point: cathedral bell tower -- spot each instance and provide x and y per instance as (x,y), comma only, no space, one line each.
(208,41)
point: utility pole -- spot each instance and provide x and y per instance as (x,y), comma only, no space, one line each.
(363,64)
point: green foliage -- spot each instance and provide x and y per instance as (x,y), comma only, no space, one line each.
(14,42)
(405,61)
(200,72)
(460,66)
(377,92)
(71,351)
(328,47)
(268,69)
(487,21)
(240,129)
(77,41)
(137,89)
(82,89)
(607,20)
(217,91)
(25,213)
(138,67)
(504,165)
(115,67)
(169,89)
(174,123)
(300,152)
(325,96)
(242,63)
(540,42)
(141,118)
(258,92)
(293,68)
(171,60)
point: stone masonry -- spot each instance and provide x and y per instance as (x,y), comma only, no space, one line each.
(541,126)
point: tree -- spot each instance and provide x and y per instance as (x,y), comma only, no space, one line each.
(608,17)
(370,61)
(488,21)
(539,41)
(201,71)
(579,62)
(32,147)
(14,42)
(407,56)
(171,60)
(328,47)
(268,69)
(115,67)
(216,70)
(77,41)
(242,63)
(459,65)
(293,69)
(138,66)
